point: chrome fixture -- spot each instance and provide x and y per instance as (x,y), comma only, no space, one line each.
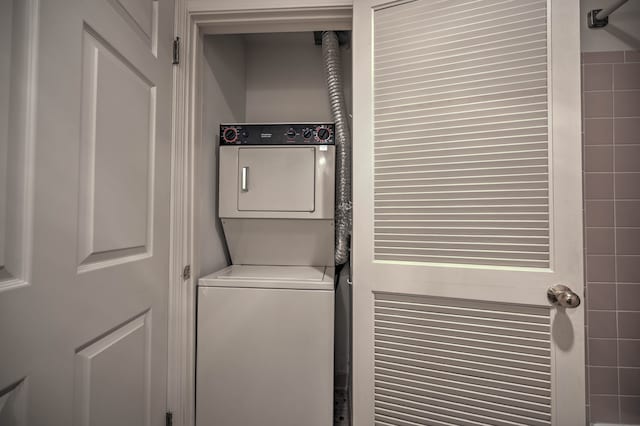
(244,185)
(598,18)
(561,295)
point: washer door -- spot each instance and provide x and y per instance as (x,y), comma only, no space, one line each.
(276,179)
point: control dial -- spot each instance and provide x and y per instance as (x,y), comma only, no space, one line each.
(307,133)
(322,134)
(291,133)
(230,134)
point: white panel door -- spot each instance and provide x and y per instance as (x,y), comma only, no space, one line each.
(467,208)
(86,156)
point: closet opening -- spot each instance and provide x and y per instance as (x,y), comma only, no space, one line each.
(265,287)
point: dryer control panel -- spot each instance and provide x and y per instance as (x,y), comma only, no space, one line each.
(277,134)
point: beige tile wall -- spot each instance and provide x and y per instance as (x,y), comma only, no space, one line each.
(611,142)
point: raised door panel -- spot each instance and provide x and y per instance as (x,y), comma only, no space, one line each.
(18,50)
(13,404)
(117,148)
(141,16)
(141,11)
(113,377)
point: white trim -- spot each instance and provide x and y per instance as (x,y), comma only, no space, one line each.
(180,377)
(192,17)
(568,349)
(218,6)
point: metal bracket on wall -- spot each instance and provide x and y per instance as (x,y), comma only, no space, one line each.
(594,22)
(598,18)
(186,272)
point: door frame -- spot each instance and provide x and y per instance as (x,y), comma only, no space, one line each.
(193,18)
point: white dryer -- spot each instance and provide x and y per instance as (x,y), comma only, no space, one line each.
(277,193)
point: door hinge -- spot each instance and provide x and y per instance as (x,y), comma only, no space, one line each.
(169,418)
(176,51)
(186,272)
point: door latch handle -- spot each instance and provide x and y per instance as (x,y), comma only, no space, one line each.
(244,179)
(561,295)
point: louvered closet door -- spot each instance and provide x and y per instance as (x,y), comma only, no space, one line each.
(467,207)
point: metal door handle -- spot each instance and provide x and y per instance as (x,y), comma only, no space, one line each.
(561,295)
(244,179)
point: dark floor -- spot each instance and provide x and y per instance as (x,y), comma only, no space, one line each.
(340,407)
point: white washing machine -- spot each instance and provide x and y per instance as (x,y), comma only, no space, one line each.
(265,324)
(265,346)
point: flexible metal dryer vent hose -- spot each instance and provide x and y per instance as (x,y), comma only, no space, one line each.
(333,72)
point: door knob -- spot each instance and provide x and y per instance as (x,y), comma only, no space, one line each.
(561,295)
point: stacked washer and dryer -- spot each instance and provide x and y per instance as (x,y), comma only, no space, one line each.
(265,324)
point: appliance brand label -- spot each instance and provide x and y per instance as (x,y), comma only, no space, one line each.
(265,135)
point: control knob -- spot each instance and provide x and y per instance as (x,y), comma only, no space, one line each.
(307,133)
(291,133)
(323,134)
(230,134)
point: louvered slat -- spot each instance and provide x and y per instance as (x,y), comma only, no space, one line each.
(451,361)
(461,133)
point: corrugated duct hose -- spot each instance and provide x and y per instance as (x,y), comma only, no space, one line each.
(343,215)
(333,72)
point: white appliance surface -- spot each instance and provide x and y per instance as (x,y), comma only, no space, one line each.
(278,179)
(269,276)
(265,346)
(277,203)
(277,182)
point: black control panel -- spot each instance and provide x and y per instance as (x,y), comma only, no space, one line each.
(277,134)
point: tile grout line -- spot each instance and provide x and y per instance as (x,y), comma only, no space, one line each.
(584,210)
(615,235)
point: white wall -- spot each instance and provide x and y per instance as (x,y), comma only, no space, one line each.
(285,78)
(622,33)
(223,93)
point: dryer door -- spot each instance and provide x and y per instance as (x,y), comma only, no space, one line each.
(276,179)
